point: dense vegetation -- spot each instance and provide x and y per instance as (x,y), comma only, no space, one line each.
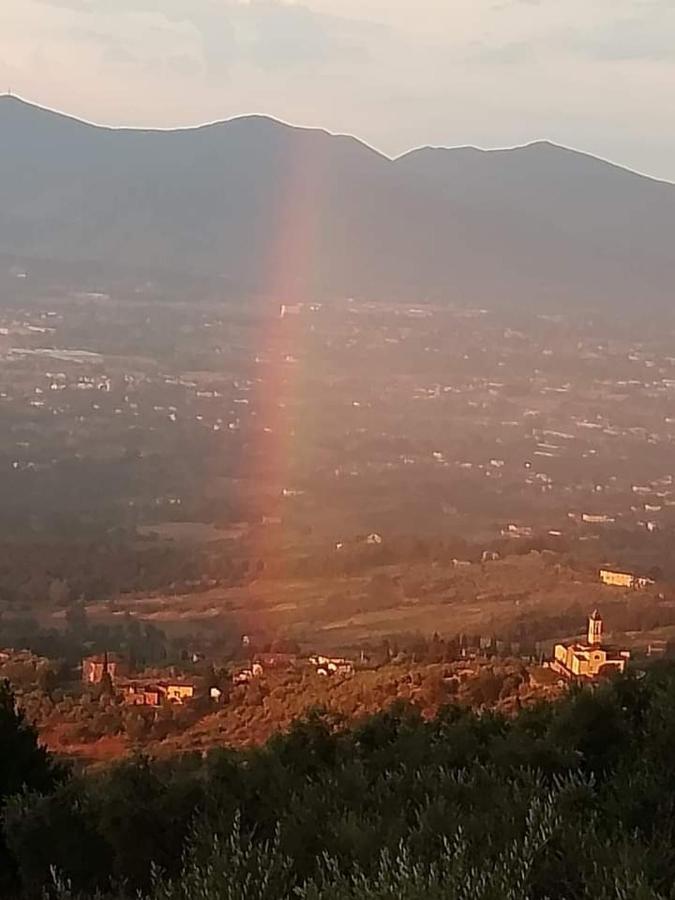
(568,800)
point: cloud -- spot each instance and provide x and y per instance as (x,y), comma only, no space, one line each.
(512,53)
(647,37)
(117,50)
(265,33)
(605,31)
(273,35)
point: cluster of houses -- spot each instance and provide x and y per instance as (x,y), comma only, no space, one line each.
(137,691)
(154,691)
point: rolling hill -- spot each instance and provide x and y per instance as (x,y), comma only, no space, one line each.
(299,212)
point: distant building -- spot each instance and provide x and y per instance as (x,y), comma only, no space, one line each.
(245,676)
(590,659)
(178,691)
(489,556)
(135,693)
(151,692)
(290,309)
(332,665)
(517,531)
(94,667)
(624,579)
(657,648)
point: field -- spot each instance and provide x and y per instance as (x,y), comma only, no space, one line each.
(537,596)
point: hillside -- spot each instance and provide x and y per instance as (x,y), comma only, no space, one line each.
(569,800)
(298,212)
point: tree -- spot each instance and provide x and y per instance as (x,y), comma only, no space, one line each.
(24,765)
(106,688)
(56,834)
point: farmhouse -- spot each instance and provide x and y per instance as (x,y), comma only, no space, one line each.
(624,579)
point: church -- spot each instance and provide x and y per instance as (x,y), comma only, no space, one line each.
(590,659)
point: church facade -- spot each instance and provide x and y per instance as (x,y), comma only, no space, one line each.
(589,659)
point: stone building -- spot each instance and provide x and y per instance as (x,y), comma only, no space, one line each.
(590,659)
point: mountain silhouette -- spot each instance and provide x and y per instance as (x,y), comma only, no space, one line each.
(299,212)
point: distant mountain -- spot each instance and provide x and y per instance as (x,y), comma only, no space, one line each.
(300,212)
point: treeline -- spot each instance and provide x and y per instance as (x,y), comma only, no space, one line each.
(141,642)
(568,800)
(58,573)
(638,612)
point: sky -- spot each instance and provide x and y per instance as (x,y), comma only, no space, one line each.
(598,75)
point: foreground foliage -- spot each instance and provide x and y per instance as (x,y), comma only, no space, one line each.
(568,800)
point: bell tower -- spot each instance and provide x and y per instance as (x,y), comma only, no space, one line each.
(594,629)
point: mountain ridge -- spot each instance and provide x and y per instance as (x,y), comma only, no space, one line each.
(533,223)
(536,144)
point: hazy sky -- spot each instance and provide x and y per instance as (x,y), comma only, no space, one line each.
(594,74)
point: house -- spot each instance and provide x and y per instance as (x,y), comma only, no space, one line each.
(139,693)
(657,648)
(94,667)
(245,676)
(178,690)
(516,531)
(332,665)
(624,579)
(290,309)
(589,659)
(489,556)
(153,692)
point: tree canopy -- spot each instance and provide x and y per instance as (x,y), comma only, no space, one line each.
(563,801)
